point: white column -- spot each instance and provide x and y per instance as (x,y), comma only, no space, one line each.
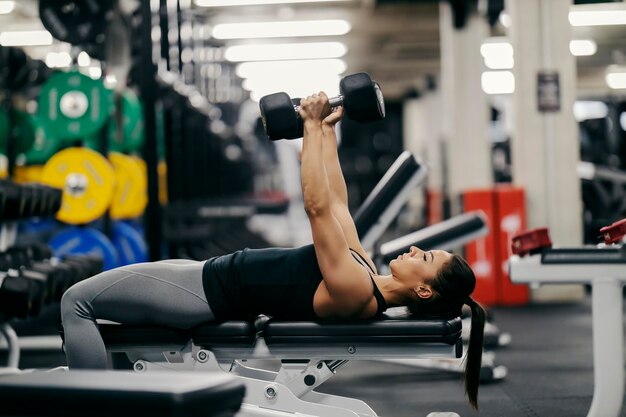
(545,147)
(415,132)
(464,105)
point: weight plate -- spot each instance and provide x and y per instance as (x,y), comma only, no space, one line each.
(27,173)
(74,21)
(130,244)
(87,180)
(4,167)
(280,120)
(4,130)
(26,131)
(129,199)
(85,240)
(42,149)
(362,98)
(73,106)
(131,138)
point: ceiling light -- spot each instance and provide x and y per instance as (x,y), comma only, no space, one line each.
(223,3)
(6,7)
(58,60)
(257,30)
(583,47)
(505,19)
(584,110)
(273,52)
(295,86)
(498,82)
(94,72)
(498,53)
(26,38)
(251,69)
(616,80)
(597,17)
(83,59)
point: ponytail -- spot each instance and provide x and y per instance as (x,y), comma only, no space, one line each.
(474,355)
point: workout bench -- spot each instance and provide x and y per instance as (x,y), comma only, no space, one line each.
(310,353)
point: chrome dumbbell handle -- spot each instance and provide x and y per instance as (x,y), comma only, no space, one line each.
(333,101)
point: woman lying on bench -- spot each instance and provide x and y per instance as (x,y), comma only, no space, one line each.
(333,278)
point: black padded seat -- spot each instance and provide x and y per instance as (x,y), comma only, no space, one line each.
(122,394)
(396,326)
(226,333)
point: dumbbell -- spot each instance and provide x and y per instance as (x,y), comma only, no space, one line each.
(359,95)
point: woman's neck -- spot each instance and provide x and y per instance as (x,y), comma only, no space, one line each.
(394,292)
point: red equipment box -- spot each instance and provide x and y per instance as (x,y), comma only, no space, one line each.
(531,241)
(614,233)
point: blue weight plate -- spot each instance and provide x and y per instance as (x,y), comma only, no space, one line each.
(84,240)
(129,243)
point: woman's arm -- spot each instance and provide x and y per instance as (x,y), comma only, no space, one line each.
(347,282)
(338,189)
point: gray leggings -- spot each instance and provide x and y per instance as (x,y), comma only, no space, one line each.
(166,293)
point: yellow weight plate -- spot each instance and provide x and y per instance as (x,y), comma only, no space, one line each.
(27,173)
(129,200)
(162,173)
(87,180)
(144,181)
(4,167)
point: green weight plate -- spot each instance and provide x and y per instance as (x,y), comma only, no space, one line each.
(43,148)
(132,136)
(4,129)
(26,131)
(73,106)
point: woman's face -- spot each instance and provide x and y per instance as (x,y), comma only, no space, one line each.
(418,267)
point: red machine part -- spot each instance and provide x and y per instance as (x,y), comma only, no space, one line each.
(614,233)
(530,241)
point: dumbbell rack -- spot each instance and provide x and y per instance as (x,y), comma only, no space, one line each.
(30,277)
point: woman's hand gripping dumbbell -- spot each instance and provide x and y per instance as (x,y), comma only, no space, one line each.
(360,96)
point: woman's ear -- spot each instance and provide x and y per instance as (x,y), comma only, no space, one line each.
(422,291)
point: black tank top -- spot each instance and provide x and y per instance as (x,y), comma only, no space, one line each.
(276,282)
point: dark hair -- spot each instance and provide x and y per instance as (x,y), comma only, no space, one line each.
(452,287)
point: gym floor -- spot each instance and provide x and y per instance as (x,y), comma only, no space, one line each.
(549,363)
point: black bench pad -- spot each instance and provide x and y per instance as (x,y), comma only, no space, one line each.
(108,393)
(229,333)
(396,326)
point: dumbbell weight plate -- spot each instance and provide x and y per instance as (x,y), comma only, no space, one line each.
(85,240)
(129,199)
(131,138)
(130,244)
(362,98)
(73,106)
(279,118)
(4,130)
(87,180)
(74,21)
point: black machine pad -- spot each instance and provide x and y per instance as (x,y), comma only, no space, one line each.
(120,394)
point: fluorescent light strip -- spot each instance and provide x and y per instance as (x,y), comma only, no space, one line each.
(584,110)
(6,7)
(597,17)
(583,47)
(287,51)
(252,69)
(328,83)
(616,80)
(58,60)
(498,53)
(496,48)
(227,3)
(256,30)
(26,38)
(498,82)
